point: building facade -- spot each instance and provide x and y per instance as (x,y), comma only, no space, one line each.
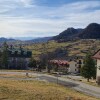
(72,66)
(97,57)
(75,65)
(18,58)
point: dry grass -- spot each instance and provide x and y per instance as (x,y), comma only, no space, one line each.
(91,82)
(16,76)
(75,47)
(84,80)
(36,90)
(5,70)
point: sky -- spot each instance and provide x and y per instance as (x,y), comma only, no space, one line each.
(42,18)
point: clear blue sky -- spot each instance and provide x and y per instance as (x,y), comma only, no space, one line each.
(39,18)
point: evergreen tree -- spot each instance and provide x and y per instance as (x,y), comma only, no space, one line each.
(5,56)
(32,63)
(0,60)
(88,70)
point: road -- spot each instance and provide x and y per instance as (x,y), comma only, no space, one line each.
(78,86)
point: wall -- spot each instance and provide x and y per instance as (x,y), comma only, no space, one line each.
(72,67)
(98,66)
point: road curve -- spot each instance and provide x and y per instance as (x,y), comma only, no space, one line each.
(78,86)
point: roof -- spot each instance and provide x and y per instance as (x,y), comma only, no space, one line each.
(59,62)
(97,55)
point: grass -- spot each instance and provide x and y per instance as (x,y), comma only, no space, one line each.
(16,76)
(91,82)
(5,70)
(74,48)
(84,80)
(39,48)
(37,90)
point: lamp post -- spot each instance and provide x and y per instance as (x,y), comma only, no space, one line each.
(57,78)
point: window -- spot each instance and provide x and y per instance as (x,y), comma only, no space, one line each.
(99,67)
(12,52)
(79,66)
(75,65)
(80,62)
(19,52)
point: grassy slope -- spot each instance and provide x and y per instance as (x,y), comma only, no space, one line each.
(72,47)
(40,48)
(35,90)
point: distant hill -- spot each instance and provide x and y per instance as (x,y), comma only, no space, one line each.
(23,38)
(92,31)
(70,33)
(25,41)
(40,40)
(5,39)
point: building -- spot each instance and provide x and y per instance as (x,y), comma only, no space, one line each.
(80,63)
(97,57)
(75,65)
(72,66)
(18,58)
(59,65)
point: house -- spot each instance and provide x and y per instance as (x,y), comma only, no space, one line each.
(18,58)
(72,66)
(80,63)
(75,65)
(97,57)
(59,65)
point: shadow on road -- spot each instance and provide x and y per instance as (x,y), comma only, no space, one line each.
(56,80)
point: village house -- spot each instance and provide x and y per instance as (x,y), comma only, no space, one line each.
(97,57)
(18,58)
(71,66)
(75,65)
(59,65)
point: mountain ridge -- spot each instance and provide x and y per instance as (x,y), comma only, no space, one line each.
(92,31)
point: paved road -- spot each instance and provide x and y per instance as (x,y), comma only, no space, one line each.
(81,87)
(78,86)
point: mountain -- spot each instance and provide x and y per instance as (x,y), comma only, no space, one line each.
(39,40)
(68,34)
(23,38)
(5,39)
(92,31)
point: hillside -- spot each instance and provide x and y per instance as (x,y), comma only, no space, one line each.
(68,34)
(92,31)
(5,39)
(64,50)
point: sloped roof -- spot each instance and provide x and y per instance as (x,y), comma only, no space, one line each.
(59,62)
(97,55)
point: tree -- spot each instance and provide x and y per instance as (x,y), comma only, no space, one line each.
(32,63)
(88,70)
(44,56)
(5,56)
(0,59)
